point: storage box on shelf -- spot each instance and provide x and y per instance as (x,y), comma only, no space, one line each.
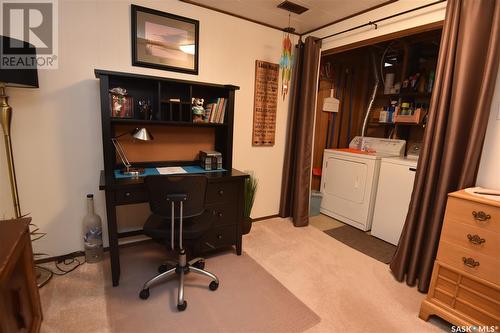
(415,118)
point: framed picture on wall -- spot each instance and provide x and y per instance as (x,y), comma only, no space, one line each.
(164,41)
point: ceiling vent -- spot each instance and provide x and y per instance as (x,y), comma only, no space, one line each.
(292,7)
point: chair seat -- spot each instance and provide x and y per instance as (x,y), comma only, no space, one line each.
(158,227)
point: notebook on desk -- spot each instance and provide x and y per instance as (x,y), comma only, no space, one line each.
(168,171)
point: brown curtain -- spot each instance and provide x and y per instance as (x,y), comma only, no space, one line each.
(460,106)
(295,186)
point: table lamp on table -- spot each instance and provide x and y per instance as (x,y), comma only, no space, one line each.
(20,78)
(141,134)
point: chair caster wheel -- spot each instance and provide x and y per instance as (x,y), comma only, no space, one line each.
(162,268)
(199,264)
(144,294)
(213,285)
(182,307)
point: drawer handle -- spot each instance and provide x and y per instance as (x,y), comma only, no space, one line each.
(219,236)
(470,262)
(219,214)
(476,239)
(481,216)
(127,194)
(221,192)
(209,245)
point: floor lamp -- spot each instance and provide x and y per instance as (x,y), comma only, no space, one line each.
(20,78)
(14,77)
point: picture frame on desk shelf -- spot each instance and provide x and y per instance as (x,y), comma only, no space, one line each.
(121,104)
(164,41)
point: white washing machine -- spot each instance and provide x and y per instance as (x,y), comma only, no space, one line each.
(395,185)
(350,176)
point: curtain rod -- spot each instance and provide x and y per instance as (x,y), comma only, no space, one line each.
(374,23)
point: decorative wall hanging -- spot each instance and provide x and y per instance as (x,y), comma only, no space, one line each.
(286,59)
(164,41)
(265,103)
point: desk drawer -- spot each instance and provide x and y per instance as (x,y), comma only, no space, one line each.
(221,192)
(223,214)
(218,237)
(473,213)
(477,239)
(477,264)
(130,196)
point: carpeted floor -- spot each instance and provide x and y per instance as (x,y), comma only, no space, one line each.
(324,222)
(248,299)
(348,290)
(364,243)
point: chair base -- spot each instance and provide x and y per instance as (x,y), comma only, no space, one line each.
(195,265)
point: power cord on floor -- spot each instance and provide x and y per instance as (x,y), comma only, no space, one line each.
(67,262)
(61,267)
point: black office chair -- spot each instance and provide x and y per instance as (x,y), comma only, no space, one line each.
(177,227)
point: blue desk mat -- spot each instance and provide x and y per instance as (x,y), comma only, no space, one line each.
(153,171)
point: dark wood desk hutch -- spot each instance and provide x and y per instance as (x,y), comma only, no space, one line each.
(177,142)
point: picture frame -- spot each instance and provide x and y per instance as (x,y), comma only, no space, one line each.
(164,41)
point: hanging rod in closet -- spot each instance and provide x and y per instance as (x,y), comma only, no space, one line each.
(374,23)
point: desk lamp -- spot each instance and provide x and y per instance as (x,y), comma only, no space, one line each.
(14,77)
(141,134)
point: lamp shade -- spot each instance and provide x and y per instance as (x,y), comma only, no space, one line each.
(142,134)
(18,77)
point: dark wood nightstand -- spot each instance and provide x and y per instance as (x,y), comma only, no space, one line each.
(20,308)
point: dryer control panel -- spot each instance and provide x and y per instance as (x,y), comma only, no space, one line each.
(379,146)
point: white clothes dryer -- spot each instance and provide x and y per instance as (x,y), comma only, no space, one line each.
(350,177)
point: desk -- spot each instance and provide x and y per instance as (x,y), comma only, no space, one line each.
(224,198)
(178,141)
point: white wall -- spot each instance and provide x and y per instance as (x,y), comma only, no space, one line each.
(489,169)
(57,129)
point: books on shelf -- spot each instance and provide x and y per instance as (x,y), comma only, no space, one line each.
(215,111)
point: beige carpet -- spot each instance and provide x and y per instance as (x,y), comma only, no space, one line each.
(248,299)
(348,290)
(324,222)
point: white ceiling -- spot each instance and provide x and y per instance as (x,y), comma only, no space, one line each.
(320,12)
